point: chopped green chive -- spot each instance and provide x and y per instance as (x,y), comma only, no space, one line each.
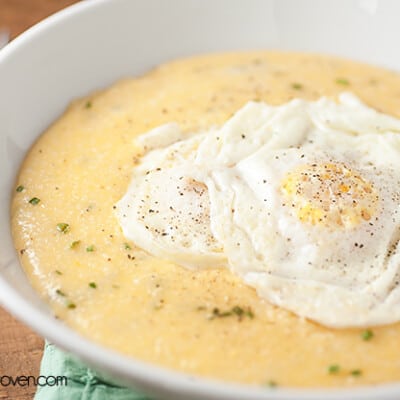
(240,312)
(234,311)
(93,285)
(60,292)
(297,86)
(74,244)
(20,188)
(356,372)
(58,272)
(71,305)
(342,81)
(34,201)
(272,384)
(217,313)
(90,248)
(333,369)
(367,335)
(63,227)
(88,104)
(127,246)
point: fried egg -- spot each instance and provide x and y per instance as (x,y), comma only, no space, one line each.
(301,201)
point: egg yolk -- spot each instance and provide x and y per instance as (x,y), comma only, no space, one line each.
(329,194)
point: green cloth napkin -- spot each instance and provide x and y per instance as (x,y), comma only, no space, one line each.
(83,383)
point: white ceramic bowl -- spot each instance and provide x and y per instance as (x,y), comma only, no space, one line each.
(92,44)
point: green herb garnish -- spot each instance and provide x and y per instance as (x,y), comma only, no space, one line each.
(58,272)
(60,292)
(71,305)
(74,244)
(356,372)
(127,246)
(20,188)
(63,227)
(88,104)
(241,312)
(342,81)
(93,285)
(271,384)
(333,369)
(234,311)
(367,335)
(90,248)
(297,86)
(217,313)
(34,201)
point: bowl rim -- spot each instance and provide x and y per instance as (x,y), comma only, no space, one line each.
(145,375)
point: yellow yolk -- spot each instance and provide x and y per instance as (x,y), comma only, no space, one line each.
(330,194)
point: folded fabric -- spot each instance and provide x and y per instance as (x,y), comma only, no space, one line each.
(82,382)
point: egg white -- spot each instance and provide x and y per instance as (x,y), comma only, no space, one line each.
(218,198)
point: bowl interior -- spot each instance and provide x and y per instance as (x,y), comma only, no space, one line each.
(90,45)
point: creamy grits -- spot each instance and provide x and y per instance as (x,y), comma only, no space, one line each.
(204,322)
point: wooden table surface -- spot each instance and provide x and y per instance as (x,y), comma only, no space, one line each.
(20,348)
